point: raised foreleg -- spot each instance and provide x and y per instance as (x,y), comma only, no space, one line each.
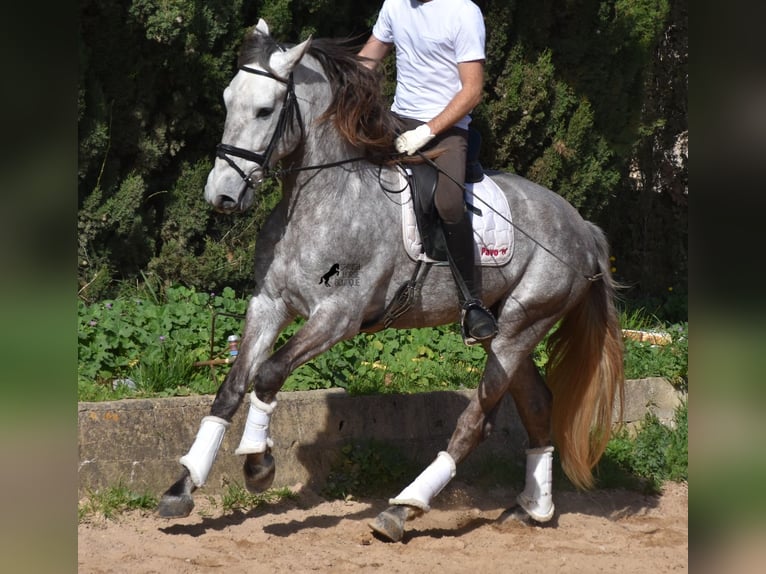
(323,329)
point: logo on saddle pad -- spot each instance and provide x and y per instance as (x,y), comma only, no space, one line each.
(486,251)
(491,219)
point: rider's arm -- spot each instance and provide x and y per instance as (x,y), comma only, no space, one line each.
(469,96)
(374,51)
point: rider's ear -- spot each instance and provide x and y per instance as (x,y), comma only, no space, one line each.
(283,62)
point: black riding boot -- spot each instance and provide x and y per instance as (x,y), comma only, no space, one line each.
(477,322)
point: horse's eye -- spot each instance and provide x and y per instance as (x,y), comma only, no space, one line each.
(264,112)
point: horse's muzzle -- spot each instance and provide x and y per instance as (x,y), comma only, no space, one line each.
(235,202)
(226,204)
(227,195)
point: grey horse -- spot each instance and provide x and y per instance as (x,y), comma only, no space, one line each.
(312,109)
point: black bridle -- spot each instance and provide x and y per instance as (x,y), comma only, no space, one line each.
(290,112)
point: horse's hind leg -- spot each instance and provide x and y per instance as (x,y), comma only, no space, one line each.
(473,426)
(533,402)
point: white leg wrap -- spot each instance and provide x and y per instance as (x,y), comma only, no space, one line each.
(200,457)
(428,484)
(255,438)
(537,497)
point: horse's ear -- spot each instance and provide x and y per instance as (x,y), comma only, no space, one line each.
(284,62)
(261,27)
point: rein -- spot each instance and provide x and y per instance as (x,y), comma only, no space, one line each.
(592,278)
(281,172)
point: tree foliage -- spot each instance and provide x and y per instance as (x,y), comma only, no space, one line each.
(586,97)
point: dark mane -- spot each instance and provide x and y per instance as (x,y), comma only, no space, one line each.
(359,109)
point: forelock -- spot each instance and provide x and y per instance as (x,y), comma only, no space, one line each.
(257,48)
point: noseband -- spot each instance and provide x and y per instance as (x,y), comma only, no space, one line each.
(289,112)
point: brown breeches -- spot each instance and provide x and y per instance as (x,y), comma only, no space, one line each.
(453,144)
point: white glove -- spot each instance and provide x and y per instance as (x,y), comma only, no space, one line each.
(413,140)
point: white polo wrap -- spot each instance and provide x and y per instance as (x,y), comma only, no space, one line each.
(255,438)
(200,457)
(537,497)
(428,484)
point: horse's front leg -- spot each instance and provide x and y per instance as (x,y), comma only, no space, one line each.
(177,501)
(322,330)
(265,320)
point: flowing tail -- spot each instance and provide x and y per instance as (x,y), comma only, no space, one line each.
(585,374)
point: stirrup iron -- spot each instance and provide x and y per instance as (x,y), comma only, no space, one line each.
(485,329)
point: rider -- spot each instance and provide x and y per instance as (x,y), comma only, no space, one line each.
(440,74)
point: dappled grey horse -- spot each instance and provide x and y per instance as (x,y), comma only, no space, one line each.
(311,115)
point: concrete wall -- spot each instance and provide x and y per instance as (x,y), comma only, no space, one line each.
(137,442)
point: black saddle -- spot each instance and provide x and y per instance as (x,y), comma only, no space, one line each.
(422,179)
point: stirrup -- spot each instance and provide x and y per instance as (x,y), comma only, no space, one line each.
(484,330)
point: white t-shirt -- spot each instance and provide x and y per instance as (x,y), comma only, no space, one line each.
(431,38)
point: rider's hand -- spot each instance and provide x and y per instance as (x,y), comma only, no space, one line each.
(411,141)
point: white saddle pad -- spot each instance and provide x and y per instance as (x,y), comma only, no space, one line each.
(492,230)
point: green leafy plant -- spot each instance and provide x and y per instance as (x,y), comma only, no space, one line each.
(394,361)
(653,454)
(112,501)
(236,498)
(145,343)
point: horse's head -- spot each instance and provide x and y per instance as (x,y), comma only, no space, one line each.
(263,122)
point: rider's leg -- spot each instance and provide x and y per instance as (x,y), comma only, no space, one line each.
(478,322)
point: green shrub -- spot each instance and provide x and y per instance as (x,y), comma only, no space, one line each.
(146,344)
(654,454)
(146,341)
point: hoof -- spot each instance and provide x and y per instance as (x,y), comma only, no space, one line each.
(175,506)
(537,511)
(390,523)
(259,470)
(177,502)
(517,514)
